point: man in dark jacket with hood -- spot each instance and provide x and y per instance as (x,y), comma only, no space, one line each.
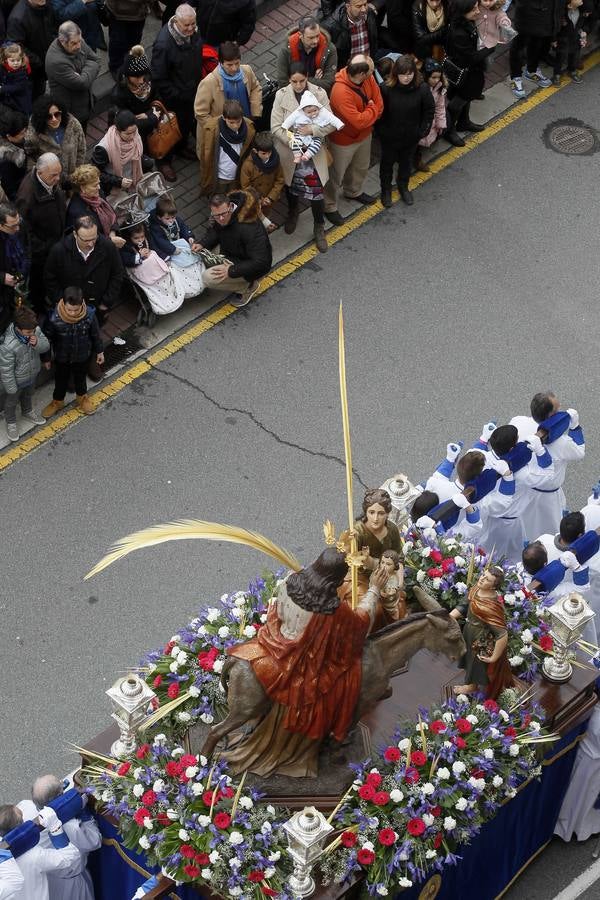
(33,25)
(245,245)
(177,70)
(353,29)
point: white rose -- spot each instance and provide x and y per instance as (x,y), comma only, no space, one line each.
(430,533)
(534,726)
(427,789)
(403,744)
(175,639)
(448,745)
(235,863)
(138,772)
(183,835)
(158,786)
(237,613)
(274,857)
(460,587)
(511,793)
(407,546)
(223,598)
(515,661)
(425,552)
(175,652)
(472,719)
(151,669)
(368,846)
(503,715)
(405,882)
(197,788)
(212,614)
(177,751)
(249,631)
(514,749)
(202,630)
(172,814)
(436,583)
(206,874)
(458,767)
(509,601)
(494,733)
(497,781)
(207,718)
(203,821)
(428,819)
(215,856)
(270,871)
(382,890)
(236,838)
(105,796)
(144,842)
(396,796)
(245,803)
(193,691)
(447,717)
(235,891)
(443,773)
(191,771)
(174,666)
(488,753)
(477,783)
(421,576)
(423,726)
(461,804)
(430,854)
(449,823)
(526,650)
(462,698)
(160,739)
(460,561)
(239,598)
(182,657)
(519,594)
(271,810)
(148,823)
(218,665)
(266,827)
(223,631)
(138,790)
(183,716)
(263,618)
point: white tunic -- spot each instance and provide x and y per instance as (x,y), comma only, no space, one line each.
(11,878)
(38,863)
(578,817)
(445,490)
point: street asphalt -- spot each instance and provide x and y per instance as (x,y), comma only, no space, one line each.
(457,310)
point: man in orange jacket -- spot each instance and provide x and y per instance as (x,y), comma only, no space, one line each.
(356,100)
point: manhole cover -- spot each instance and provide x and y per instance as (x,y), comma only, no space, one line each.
(572,139)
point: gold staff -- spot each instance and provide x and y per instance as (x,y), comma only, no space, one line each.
(348,455)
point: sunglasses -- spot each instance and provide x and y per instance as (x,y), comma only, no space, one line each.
(56,115)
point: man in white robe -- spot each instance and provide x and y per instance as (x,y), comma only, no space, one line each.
(11,878)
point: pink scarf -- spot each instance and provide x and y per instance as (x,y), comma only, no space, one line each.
(120,153)
(103,210)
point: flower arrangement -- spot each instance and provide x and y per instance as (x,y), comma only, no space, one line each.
(185,673)
(439,780)
(188,818)
(448,568)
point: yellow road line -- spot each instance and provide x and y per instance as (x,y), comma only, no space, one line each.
(283,270)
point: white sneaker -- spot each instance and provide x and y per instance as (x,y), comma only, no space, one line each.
(539,78)
(516,86)
(12,431)
(34,417)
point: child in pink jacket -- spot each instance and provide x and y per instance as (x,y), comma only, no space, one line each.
(433,76)
(493,25)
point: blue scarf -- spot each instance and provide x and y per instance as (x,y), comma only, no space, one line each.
(235,89)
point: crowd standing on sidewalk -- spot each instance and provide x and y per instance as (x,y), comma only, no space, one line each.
(402,73)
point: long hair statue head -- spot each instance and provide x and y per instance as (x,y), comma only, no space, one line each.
(314,588)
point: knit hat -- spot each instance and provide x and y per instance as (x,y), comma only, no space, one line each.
(430,66)
(136,62)
(25,318)
(309,99)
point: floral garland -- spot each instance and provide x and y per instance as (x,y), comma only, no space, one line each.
(447,568)
(187,817)
(437,783)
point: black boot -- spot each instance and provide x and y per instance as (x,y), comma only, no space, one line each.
(420,165)
(464,122)
(406,195)
(453,137)
(386,197)
(453,111)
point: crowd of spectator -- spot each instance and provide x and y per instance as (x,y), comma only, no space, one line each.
(403,72)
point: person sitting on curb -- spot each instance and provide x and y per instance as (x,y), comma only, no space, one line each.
(243,242)
(73,332)
(22,343)
(262,174)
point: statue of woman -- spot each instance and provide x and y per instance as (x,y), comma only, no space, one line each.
(486,660)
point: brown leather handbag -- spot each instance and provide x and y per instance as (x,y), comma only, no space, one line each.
(166,134)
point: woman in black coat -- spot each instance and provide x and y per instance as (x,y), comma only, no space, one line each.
(429,27)
(408,110)
(461,49)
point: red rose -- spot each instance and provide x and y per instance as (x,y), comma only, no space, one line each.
(436,556)
(188,759)
(411,776)
(418,758)
(155,703)
(256,875)
(202,859)
(434,572)
(391,754)
(546,643)
(187,850)
(139,816)
(366,792)
(491,705)
(381,798)
(124,768)
(222,820)
(173,769)
(374,779)
(149,798)
(206,662)
(447,565)
(191,871)
(510,731)
(173,690)
(387,837)
(416,827)
(163,819)
(435,810)
(459,742)
(526,719)
(168,648)
(141,751)
(437,841)
(268,891)
(348,839)
(477,773)
(463,726)
(365,857)
(228,792)
(157,681)
(207,798)
(437,726)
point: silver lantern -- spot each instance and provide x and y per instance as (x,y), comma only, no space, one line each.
(129,697)
(402,494)
(306,832)
(568,618)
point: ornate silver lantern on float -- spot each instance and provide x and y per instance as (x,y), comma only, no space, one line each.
(568,618)
(129,697)
(402,494)
(306,832)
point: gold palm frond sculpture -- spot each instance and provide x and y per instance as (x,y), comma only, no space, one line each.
(194,529)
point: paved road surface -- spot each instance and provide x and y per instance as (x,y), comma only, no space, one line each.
(456,310)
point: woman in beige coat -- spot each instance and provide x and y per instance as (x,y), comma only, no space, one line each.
(306,178)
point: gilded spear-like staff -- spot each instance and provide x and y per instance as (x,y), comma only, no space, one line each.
(348,455)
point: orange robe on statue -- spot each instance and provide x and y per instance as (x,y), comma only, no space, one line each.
(500,675)
(316,676)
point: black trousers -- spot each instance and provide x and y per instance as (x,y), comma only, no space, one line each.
(122,36)
(400,156)
(317,207)
(532,47)
(62,373)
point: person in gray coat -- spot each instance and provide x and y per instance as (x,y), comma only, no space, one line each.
(71,67)
(22,343)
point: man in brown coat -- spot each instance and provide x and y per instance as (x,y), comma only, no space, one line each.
(224,142)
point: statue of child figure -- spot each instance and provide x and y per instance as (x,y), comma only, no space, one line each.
(392,595)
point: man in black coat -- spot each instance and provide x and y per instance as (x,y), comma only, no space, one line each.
(33,25)
(87,260)
(177,70)
(226,20)
(245,245)
(353,29)
(43,207)
(14,261)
